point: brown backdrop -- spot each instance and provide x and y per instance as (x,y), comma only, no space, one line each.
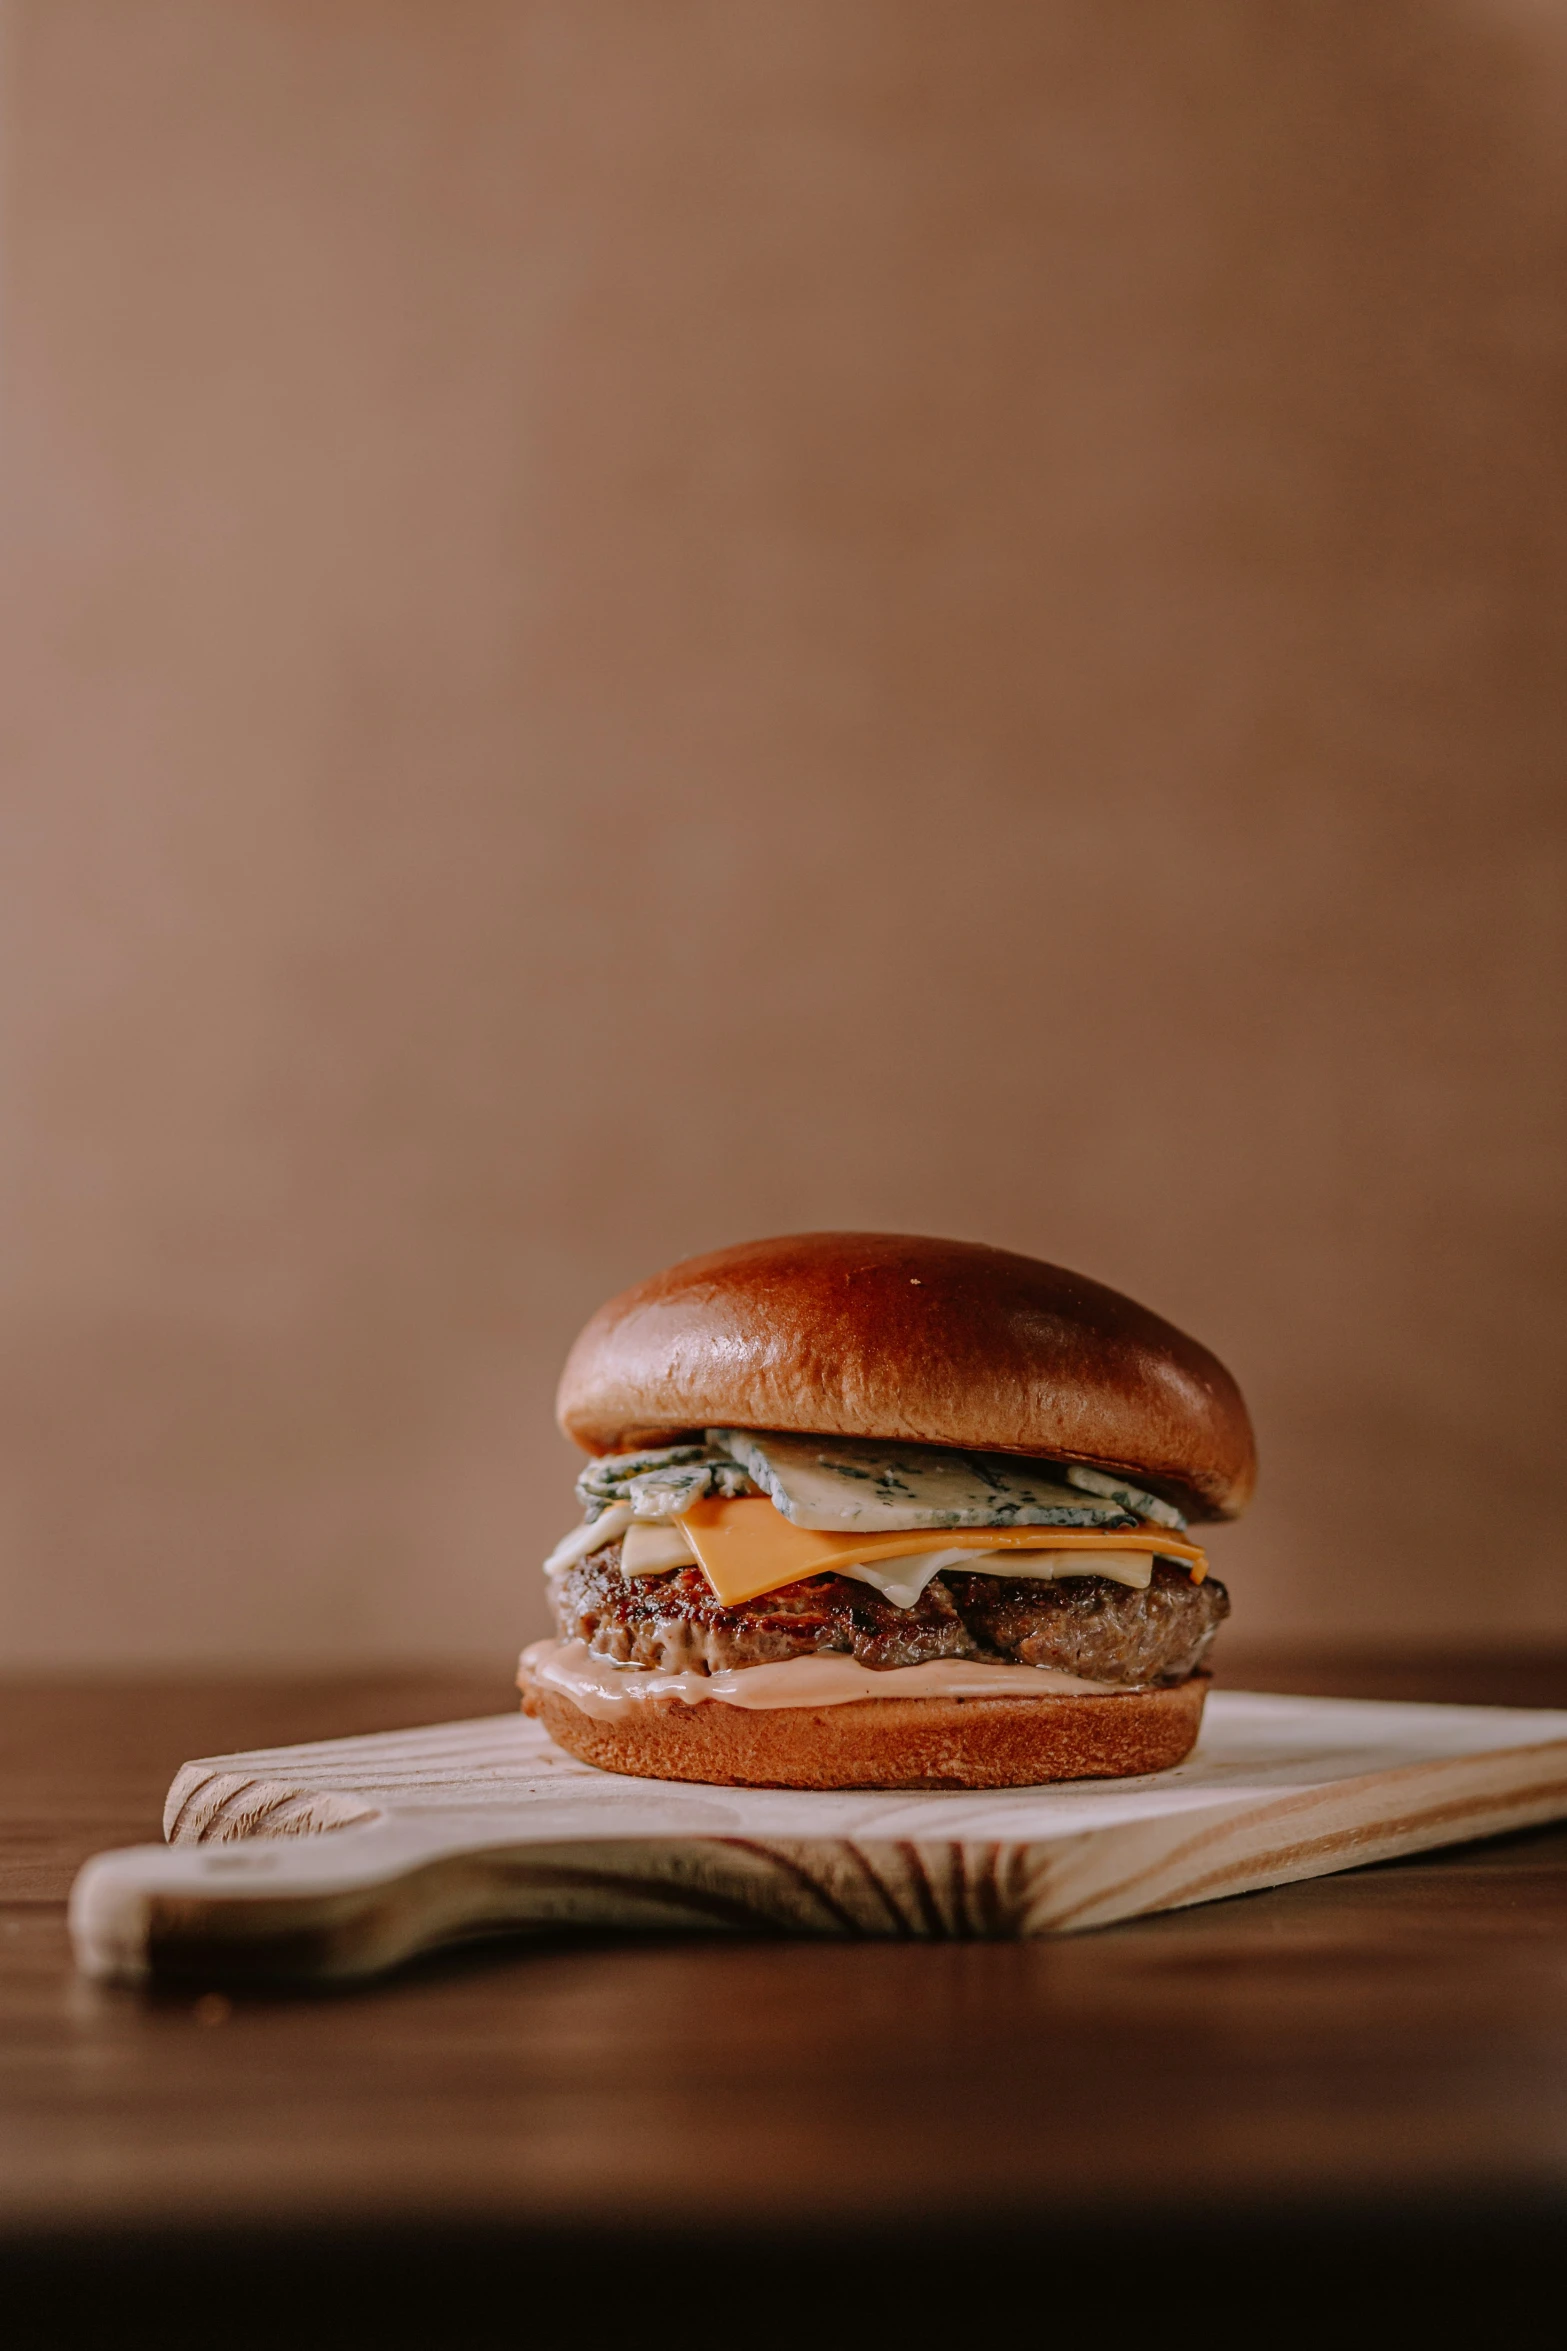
(634,624)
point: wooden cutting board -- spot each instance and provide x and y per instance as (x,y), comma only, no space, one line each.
(334,1861)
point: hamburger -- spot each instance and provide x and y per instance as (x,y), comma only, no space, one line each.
(870,1510)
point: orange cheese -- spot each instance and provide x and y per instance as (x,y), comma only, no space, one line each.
(747,1548)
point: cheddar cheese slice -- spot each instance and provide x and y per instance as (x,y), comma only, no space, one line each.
(747,1548)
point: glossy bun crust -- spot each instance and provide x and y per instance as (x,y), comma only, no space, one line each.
(927,1342)
(884,1742)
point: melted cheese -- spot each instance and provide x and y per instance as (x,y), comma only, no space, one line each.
(747,1548)
(583,1541)
(903,1580)
(653,1550)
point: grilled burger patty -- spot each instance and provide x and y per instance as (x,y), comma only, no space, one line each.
(1085,1625)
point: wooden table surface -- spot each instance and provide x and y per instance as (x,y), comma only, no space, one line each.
(1363,2048)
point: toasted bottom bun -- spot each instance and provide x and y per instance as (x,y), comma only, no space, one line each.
(885,1742)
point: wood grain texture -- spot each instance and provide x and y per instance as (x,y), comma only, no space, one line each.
(338,1860)
(1380,2035)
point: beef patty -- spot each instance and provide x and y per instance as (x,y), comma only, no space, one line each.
(1086,1625)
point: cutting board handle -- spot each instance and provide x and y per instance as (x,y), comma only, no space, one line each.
(347,1904)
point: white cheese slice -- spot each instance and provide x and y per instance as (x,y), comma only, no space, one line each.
(903,1580)
(583,1541)
(654,1550)
(1134,1568)
(838,1485)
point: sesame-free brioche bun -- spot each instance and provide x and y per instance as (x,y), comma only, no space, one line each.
(925,1342)
(883,1742)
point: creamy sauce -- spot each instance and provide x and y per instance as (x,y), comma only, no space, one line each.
(606,1690)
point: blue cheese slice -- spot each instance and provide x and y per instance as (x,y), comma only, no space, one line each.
(661,1482)
(843,1486)
(839,1485)
(1114,1489)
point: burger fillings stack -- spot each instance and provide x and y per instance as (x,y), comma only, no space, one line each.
(873,1510)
